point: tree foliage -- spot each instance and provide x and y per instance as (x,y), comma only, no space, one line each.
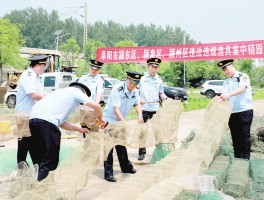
(39,27)
(10,42)
(70,50)
(259,77)
(91,47)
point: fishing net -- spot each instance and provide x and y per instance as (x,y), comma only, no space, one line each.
(180,169)
(218,169)
(161,151)
(22,125)
(195,171)
(237,180)
(88,118)
(74,172)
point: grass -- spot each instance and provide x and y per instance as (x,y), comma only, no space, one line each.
(259,94)
(195,102)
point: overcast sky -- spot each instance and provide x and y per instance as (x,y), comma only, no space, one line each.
(207,21)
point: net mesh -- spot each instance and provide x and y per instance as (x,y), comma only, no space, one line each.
(71,175)
(196,171)
(161,151)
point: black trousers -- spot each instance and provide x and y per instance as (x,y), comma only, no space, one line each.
(124,163)
(24,146)
(239,124)
(46,138)
(146,116)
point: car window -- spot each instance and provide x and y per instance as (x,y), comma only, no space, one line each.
(114,81)
(107,83)
(67,78)
(49,81)
(111,82)
(216,83)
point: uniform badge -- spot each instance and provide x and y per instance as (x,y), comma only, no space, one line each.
(29,73)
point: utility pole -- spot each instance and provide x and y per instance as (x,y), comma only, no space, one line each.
(85,33)
(84,15)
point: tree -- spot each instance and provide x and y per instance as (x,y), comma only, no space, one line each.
(196,69)
(38,26)
(90,49)
(10,43)
(74,27)
(70,50)
(259,76)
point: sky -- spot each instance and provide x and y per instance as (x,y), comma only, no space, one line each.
(206,21)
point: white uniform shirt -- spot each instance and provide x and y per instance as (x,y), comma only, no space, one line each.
(150,89)
(123,99)
(243,101)
(29,82)
(95,84)
(57,106)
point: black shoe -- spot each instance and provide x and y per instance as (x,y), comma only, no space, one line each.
(141,156)
(110,179)
(131,171)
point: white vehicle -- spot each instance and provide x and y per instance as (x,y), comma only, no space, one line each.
(51,82)
(212,88)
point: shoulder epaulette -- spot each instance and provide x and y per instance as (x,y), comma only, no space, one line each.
(239,75)
(120,89)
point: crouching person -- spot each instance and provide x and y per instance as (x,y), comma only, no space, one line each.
(52,112)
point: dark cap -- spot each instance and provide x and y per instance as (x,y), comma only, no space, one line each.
(225,63)
(95,64)
(38,59)
(154,61)
(81,86)
(134,77)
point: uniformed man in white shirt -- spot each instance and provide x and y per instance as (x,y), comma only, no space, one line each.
(30,90)
(151,90)
(94,81)
(238,92)
(52,112)
(122,98)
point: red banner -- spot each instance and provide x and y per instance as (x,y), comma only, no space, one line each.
(214,51)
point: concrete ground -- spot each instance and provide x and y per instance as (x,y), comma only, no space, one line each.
(188,121)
